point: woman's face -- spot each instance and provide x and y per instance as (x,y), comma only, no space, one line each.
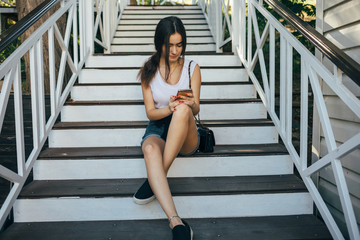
(175,47)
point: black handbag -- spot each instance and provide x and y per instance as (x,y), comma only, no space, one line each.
(207,137)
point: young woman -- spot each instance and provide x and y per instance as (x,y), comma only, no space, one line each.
(172,129)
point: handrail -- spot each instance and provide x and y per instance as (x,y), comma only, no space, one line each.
(25,23)
(252,42)
(330,50)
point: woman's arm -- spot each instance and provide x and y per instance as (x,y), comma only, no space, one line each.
(193,100)
(151,112)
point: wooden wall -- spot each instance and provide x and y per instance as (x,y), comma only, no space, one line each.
(339,21)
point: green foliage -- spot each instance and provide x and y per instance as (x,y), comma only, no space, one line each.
(3,4)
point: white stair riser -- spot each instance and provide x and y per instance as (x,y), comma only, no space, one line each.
(137,112)
(182,167)
(151,48)
(189,28)
(138,60)
(130,76)
(99,93)
(157,15)
(150,40)
(131,31)
(160,7)
(132,137)
(113,208)
(155,21)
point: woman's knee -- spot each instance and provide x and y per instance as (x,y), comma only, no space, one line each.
(182,111)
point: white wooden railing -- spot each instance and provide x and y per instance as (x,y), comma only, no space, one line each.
(78,13)
(108,14)
(313,73)
(162,2)
(216,13)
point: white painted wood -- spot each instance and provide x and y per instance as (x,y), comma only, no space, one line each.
(343,130)
(149,8)
(108,92)
(116,208)
(137,112)
(330,193)
(337,109)
(172,12)
(331,3)
(132,136)
(151,48)
(190,29)
(350,84)
(150,40)
(110,61)
(352,179)
(348,37)
(129,76)
(127,31)
(182,167)
(354,53)
(158,16)
(155,21)
(341,15)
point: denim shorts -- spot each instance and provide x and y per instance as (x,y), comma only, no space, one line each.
(159,128)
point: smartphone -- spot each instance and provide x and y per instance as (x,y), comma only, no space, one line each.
(183,92)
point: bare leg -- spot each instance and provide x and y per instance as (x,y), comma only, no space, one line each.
(182,135)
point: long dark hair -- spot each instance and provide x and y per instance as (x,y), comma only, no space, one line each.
(164,29)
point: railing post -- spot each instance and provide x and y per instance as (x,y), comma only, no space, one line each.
(107,25)
(218,24)
(89,25)
(235,23)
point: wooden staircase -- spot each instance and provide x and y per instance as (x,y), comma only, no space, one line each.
(84,182)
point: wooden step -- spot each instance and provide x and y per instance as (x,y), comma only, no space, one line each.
(163,8)
(137,48)
(194,15)
(111,134)
(126,75)
(69,200)
(88,111)
(254,228)
(191,30)
(128,162)
(186,22)
(108,92)
(206,62)
(148,31)
(150,40)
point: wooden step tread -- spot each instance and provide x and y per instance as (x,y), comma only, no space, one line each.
(149,54)
(138,84)
(189,186)
(251,228)
(137,68)
(135,152)
(141,102)
(143,124)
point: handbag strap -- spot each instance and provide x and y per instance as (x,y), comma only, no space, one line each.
(197,118)
(189,74)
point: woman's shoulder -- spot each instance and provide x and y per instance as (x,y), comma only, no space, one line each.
(187,61)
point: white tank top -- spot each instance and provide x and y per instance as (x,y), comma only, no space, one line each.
(162,91)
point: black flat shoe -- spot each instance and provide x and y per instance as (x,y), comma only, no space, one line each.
(181,232)
(144,194)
